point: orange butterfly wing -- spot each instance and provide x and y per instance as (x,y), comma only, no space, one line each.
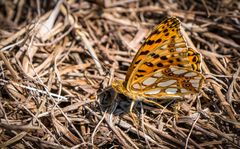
(164,50)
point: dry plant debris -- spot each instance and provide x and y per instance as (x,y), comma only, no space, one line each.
(57,59)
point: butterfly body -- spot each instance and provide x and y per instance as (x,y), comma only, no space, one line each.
(164,66)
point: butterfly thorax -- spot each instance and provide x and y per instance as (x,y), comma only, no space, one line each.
(119,86)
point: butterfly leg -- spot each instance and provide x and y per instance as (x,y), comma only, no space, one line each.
(176,109)
(157,104)
(152,102)
(131,107)
(133,115)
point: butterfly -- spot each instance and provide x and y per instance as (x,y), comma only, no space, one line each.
(163,67)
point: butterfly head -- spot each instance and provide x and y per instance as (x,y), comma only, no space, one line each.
(119,86)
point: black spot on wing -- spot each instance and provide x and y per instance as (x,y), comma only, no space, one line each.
(156,56)
(165,21)
(163,58)
(137,62)
(155,32)
(140,70)
(178,60)
(186,84)
(139,75)
(194,59)
(144,52)
(160,64)
(180,65)
(158,40)
(149,64)
(153,55)
(166,30)
(174,24)
(150,42)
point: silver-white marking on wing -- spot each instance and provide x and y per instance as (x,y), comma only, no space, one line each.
(190,74)
(136,86)
(171,90)
(166,83)
(149,81)
(158,74)
(152,92)
(183,90)
(178,72)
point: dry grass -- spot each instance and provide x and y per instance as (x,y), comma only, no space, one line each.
(56,59)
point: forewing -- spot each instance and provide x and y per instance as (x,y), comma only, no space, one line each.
(155,40)
(164,47)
